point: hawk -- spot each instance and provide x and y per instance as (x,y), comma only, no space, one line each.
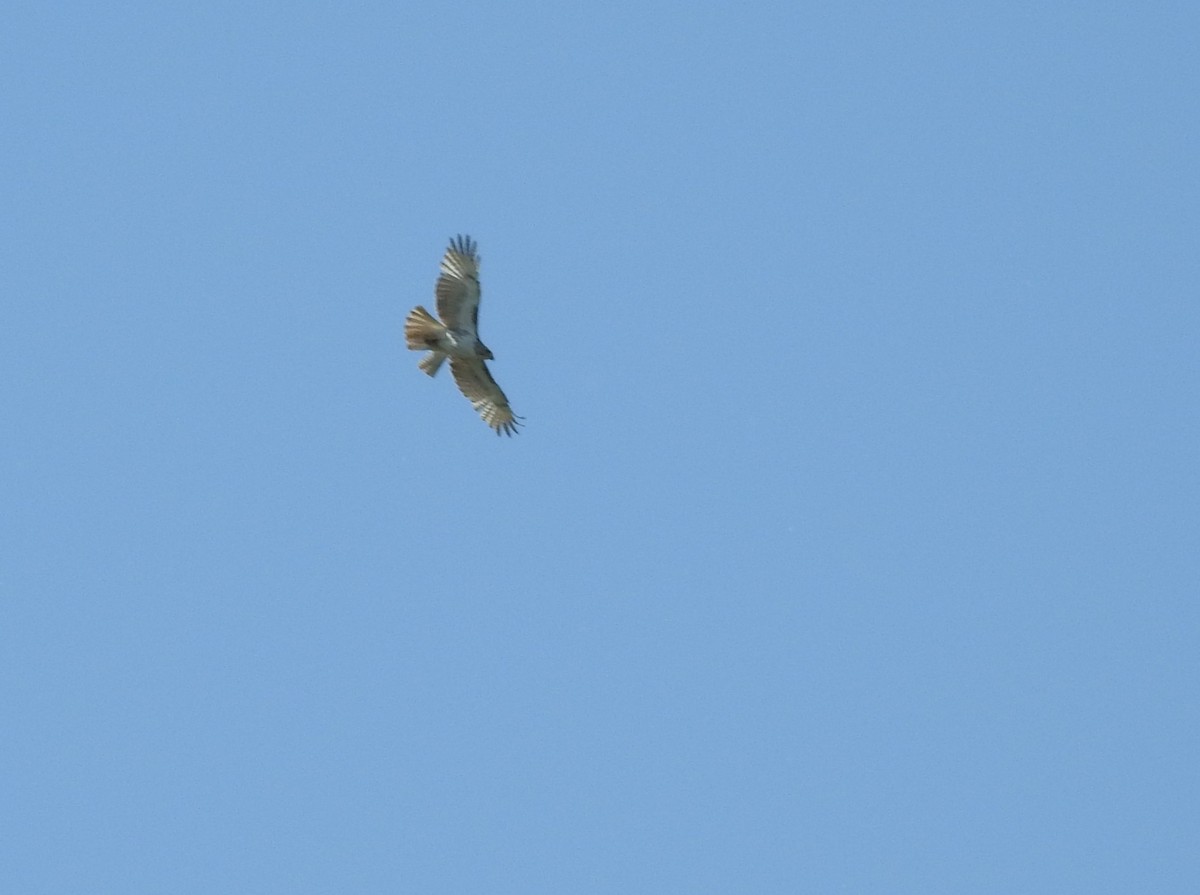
(456,336)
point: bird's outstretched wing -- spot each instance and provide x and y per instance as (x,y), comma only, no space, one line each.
(485,395)
(457,289)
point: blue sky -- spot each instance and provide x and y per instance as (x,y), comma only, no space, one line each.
(851,542)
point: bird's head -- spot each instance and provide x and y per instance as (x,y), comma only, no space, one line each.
(483,351)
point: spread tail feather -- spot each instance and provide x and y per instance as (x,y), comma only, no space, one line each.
(423,331)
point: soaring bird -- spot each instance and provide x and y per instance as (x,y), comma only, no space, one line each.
(456,336)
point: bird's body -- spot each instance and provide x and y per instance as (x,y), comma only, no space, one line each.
(456,336)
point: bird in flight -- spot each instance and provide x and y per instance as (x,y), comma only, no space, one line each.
(456,336)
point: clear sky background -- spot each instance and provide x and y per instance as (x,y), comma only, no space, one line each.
(851,542)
